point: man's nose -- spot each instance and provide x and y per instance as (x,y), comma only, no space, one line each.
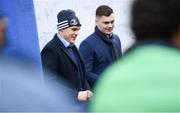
(110,25)
(76,33)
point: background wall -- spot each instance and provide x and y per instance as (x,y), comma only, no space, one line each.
(47,10)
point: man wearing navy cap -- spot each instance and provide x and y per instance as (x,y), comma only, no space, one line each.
(61,57)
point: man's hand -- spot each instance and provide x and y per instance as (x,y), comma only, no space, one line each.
(84,95)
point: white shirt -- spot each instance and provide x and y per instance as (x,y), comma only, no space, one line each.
(65,42)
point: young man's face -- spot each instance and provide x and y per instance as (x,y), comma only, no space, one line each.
(105,23)
(70,33)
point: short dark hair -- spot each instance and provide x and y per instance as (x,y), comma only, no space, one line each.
(104,10)
(155,18)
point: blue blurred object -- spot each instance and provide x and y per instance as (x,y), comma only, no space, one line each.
(22,90)
(22,36)
(2,14)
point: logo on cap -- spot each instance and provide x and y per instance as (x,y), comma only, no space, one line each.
(73,22)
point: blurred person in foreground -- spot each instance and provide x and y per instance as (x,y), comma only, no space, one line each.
(22,89)
(61,57)
(2,30)
(103,47)
(147,78)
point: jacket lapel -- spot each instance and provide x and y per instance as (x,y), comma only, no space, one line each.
(104,47)
(81,63)
(63,48)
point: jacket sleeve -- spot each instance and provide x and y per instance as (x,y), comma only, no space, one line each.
(88,55)
(118,42)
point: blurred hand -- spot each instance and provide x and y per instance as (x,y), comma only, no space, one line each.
(84,95)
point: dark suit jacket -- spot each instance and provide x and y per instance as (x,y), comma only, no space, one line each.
(55,58)
(97,53)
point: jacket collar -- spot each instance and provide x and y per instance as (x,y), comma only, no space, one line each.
(64,49)
(65,42)
(106,38)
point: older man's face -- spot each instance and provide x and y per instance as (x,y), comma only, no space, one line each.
(70,34)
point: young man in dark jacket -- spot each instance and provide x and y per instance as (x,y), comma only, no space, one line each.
(102,47)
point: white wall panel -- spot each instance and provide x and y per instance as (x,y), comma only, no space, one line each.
(47,10)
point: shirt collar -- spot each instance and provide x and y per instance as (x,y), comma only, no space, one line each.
(65,42)
(109,36)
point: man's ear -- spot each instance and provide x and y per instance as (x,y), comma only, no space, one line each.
(96,20)
(60,32)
